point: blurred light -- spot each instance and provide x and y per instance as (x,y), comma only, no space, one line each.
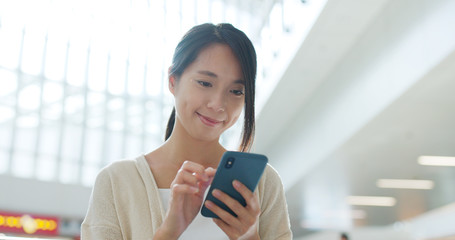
(52,92)
(29,97)
(6,113)
(371,201)
(74,104)
(9,82)
(29,121)
(405,183)
(437,161)
(358,214)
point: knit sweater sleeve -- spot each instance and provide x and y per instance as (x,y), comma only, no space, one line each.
(274,218)
(101,221)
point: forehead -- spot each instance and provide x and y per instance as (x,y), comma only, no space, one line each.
(218,59)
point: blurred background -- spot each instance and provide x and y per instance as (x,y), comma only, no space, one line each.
(355,107)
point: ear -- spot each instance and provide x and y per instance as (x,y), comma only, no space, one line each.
(172,82)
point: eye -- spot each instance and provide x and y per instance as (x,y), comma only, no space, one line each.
(204,83)
(238,92)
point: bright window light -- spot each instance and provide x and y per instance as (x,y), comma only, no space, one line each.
(437,161)
(405,183)
(6,113)
(72,67)
(29,97)
(9,82)
(371,201)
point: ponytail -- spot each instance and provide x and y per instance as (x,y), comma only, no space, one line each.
(170,125)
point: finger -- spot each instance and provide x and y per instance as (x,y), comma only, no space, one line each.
(232,226)
(210,171)
(231,203)
(183,188)
(250,199)
(186,177)
(197,169)
(222,214)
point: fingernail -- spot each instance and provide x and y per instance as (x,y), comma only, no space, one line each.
(236,183)
(208,203)
(216,193)
(195,189)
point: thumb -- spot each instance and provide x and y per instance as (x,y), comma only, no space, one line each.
(210,171)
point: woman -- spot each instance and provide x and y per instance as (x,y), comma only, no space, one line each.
(159,195)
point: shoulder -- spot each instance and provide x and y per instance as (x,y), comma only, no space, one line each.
(271,191)
(270,175)
(270,183)
(121,165)
(122,179)
(118,169)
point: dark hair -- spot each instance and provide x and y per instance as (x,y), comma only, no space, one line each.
(202,36)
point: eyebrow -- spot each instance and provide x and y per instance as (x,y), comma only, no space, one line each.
(213,75)
(208,73)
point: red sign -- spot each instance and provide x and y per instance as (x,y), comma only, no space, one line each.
(28,224)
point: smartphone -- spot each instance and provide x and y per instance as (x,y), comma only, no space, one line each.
(244,167)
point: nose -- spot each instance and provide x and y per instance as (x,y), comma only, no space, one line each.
(217,102)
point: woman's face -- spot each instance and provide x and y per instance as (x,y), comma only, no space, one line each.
(209,96)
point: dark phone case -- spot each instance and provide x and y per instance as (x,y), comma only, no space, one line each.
(247,168)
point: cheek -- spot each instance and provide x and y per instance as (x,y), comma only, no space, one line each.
(237,111)
(187,101)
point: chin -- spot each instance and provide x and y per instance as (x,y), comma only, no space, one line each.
(209,137)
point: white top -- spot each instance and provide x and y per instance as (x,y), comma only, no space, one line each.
(200,227)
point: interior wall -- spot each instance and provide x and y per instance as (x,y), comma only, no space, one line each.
(47,198)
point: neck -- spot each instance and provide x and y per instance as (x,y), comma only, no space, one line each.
(181,147)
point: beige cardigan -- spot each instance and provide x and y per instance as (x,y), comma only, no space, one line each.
(125,204)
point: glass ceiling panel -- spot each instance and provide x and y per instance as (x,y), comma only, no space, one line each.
(49,139)
(47,168)
(5,132)
(85,82)
(32,52)
(52,111)
(93,146)
(116,75)
(29,97)
(9,82)
(68,171)
(55,57)
(10,45)
(22,164)
(6,114)
(52,92)
(98,63)
(77,64)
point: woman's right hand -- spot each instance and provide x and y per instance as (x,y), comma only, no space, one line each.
(187,195)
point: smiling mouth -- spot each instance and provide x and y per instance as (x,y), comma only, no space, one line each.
(208,121)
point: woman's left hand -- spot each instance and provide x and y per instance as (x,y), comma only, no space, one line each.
(244,226)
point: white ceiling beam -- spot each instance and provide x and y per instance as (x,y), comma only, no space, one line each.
(392,55)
